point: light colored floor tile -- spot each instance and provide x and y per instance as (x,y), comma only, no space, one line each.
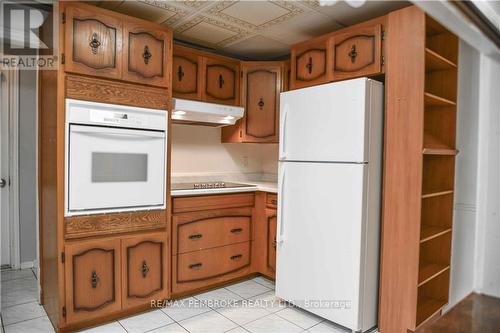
(172,328)
(208,322)
(327,327)
(19,291)
(13,274)
(243,312)
(247,289)
(113,327)
(38,325)
(146,321)
(218,298)
(300,317)
(272,324)
(265,282)
(270,302)
(185,308)
(238,330)
(17,313)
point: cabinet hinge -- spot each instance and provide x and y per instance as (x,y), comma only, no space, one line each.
(63,257)
(63,18)
(382,61)
(64,311)
(383,35)
(63,58)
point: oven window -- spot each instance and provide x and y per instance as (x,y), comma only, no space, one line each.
(119,167)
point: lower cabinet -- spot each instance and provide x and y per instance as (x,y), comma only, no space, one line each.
(109,275)
(271,219)
(93,279)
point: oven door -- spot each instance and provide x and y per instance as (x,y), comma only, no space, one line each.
(114,169)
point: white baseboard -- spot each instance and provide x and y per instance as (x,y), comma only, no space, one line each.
(28,264)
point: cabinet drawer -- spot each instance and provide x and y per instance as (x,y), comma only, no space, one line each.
(211,263)
(206,202)
(202,232)
(357,52)
(272,200)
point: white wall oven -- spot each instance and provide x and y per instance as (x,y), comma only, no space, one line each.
(115,158)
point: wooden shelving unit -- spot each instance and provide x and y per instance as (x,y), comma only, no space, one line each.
(419,171)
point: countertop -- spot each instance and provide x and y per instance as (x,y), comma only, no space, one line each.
(253,186)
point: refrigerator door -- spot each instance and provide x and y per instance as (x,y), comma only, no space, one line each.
(321,229)
(331,122)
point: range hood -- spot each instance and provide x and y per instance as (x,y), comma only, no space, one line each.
(201,113)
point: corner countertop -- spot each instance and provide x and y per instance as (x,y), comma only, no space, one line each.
(253,186)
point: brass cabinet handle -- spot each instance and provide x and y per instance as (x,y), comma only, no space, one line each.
(144,269)
(274,202)
(309,65)
(221,81)
(195,236)
(180,73)
(274,243)
(94,43)
(236,257)
(236,230)
(195,266)
(146,55)
(261,103)
(353,54)
(94,279)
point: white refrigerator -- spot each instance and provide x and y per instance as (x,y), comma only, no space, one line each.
(329,192)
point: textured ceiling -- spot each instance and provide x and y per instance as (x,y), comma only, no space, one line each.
(250,29)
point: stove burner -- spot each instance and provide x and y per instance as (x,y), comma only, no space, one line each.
(209,185)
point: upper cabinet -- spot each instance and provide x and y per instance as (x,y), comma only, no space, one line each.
(345,54)
(310,64)
(103,43)
(186,76)
(261,85)
(93,42)
(221,81)
(357,52)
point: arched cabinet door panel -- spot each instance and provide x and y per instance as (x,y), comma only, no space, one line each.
(186,74)
(92,277)
(271,219)
(93,42)
(222,81)
(310,63)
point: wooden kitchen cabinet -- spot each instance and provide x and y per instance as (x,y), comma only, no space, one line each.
(144,269)
(310,63)
(262,84)
(357,52)
(222,80)
(272,219)
(93,279)
(187,73)
(93,42)
(147,53)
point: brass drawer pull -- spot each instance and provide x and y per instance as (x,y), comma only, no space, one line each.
(274,202)
(94,43)
(94,279)
(236,230)
(221,81)
(261,104)
(309,65)
(353,54)
(274,243)
(195,266)
(146,55)
(180,73)
(236,257)
(195,236)
(144,269)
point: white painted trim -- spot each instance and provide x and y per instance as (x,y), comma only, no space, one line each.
(37,198)
(27,264)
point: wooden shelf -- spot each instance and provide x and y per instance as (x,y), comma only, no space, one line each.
(429,232)
(433,146)
(433,100)
(435,194)
(427,308)
(429,271)
(440,151)
(436,62)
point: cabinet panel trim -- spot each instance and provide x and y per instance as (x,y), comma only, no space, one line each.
(247,131)
(179,75)
(372,61)
(233,95)
(162,54)
(130,248)
(301,78)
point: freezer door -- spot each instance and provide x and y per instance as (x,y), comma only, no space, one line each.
(331,122)
(321,211)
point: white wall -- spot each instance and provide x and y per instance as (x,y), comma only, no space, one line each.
(198,150)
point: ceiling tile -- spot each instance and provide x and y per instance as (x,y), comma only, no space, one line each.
(207,33)
(145,11)
(258,47)
(255,14)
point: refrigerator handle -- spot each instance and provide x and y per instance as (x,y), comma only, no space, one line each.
(281,193)
(282,151)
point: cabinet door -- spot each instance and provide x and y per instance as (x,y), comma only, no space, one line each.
(357,52)
(222,81)
(271,218)
(310,64)
(144,268)
(92,277)
(147,54)
(262,87)
(93,42)
(186,76)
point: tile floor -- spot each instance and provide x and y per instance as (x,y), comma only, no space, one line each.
(248,306)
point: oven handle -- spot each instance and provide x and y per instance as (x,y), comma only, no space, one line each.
(117,132)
